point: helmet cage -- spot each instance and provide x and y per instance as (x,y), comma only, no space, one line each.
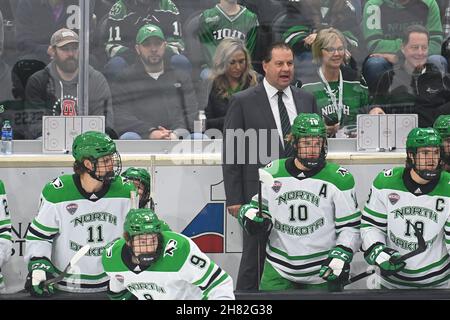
(426,174)
(109,175)
(303,151)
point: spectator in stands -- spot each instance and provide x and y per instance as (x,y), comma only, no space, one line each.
(227,19)
(413,86)
(232,72)
(339,92)
(37,20)
(151,99)
(384,22)
(126,17)
(305,18)
(55,89)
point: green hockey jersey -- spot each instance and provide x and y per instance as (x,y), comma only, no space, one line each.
(311,214)
(126,17)
(5,227)
(182,272)
(68,218)
(355,98)
(390,206)
(216,25)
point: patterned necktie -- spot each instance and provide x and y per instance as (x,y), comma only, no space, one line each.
(285,125)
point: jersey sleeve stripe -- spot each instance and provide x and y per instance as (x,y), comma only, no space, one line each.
(211,279)
(6,236)
(350,224)
(5,230)
(215,284)
(447,224)
(3,222)
(45,228)
(311,256)
(350,217)
(40,235)
(373,222)
(208,272)
(374,213)
(294,267)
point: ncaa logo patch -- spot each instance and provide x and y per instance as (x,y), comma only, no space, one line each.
(393,198)
(276,186)
(72,208)
(120,278)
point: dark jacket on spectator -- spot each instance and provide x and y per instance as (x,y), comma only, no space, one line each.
(47,92)
(141,102)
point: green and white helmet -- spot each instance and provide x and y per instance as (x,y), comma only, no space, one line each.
(309,125)
(442,126)
(93,145)
(141,175)
(139,222)
(422,138)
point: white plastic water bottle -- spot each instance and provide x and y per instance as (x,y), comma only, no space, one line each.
(202,119)
(7,137)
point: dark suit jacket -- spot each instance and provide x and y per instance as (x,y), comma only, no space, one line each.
(250,109)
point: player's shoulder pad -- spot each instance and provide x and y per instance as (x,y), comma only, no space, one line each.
(174,244)
(276,168)
(57,186)
(386,177)
(122,187)
(337,175)
(118,10)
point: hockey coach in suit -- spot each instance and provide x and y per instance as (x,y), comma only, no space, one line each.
(259,118)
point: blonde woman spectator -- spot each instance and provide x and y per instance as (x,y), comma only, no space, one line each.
(340,94)
(232,72)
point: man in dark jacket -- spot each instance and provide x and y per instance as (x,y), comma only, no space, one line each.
(151,100)
(54,90)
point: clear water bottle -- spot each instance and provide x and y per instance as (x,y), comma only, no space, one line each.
(202,120)
(7,138)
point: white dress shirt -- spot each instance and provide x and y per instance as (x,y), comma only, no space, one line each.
(288,100)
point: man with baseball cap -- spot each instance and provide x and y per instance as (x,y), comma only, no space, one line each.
(151,99)
(54,90)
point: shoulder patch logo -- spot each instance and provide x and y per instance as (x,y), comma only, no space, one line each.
(72,208)
(276,186)
(171,246)
(342,171)
(120,278)
(388,173)
(393,198)
(57,183)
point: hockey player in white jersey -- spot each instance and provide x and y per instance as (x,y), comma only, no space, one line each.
(5,233)
(311,214)
(151,264)
(88,207)
(142,181)
(442,126)
(402,199)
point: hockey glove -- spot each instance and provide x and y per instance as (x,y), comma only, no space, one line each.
(253,224)
(337,265)
(384,257)
(40,270)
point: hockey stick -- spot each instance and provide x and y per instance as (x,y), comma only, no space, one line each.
(421,247)
(264,178)
(76,257)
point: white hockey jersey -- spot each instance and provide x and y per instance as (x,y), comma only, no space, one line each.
(386,218)
(182,272)
(310,215)
(67,220)
(5,227)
